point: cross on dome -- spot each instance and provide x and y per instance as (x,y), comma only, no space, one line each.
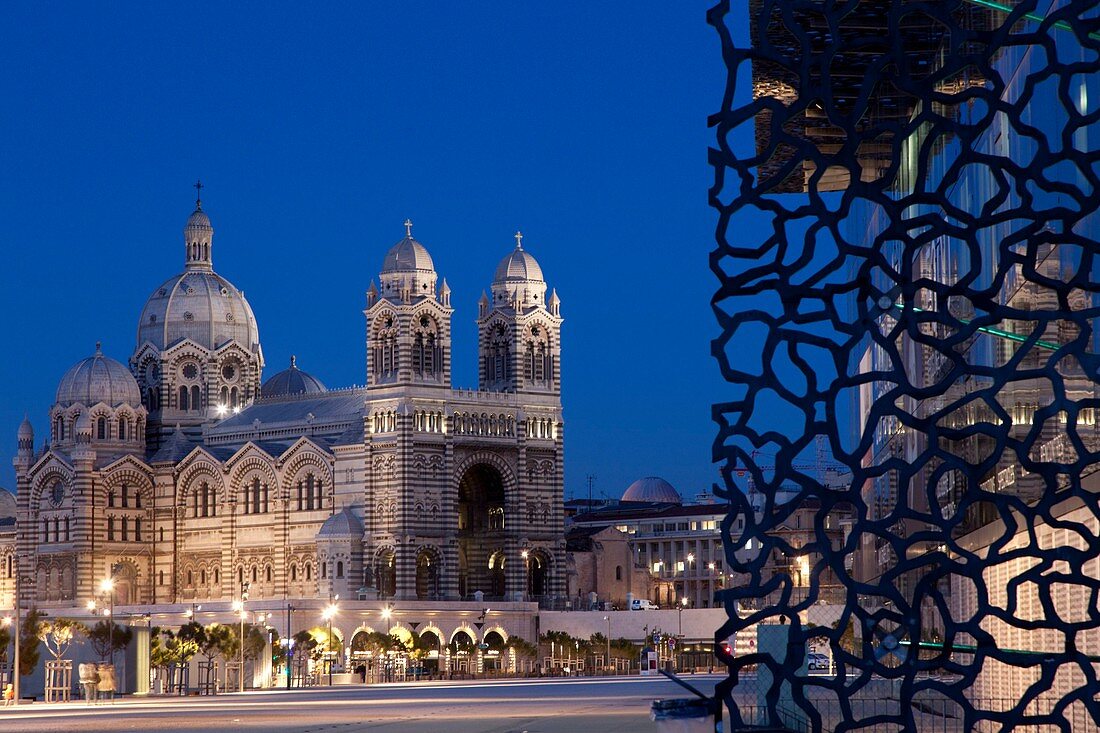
(519,239)
(198,194)
(408,228)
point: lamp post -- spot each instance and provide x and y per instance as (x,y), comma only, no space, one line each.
(238,606)
(608,620)
(108,587)
(329,612)
(680,615)
(289,647)
(19,579)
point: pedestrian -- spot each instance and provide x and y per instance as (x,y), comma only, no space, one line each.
(9,694)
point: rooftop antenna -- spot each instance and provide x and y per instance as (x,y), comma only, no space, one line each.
(591,478)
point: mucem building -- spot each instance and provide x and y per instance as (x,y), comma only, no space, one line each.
(921,296)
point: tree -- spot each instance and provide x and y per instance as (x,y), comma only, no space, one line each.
(377,642)
(211,641)
(624,648)
(255,641)
(522,647)
(108,637)
(28,642)
(58,634)
(5,639)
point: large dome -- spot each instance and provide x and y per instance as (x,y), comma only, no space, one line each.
(98,379)
(291,381)
(653,490)
(198,305)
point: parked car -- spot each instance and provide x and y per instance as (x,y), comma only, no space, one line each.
(643,604)
(817,662)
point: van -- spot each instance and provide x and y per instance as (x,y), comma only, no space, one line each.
(643,604)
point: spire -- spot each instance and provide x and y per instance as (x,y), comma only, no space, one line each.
(519,239)
(372,294)
(408,228)
(198,236)
(293,361)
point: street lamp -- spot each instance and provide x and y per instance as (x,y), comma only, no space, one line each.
(608,620)
(238,606)
(329,612)
(108,587)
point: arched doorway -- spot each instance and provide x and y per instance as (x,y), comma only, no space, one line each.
(385,571)
(463,652)
(427,574)
(496,655)
(481,524)
(432,645)
(538,571)
(496,574)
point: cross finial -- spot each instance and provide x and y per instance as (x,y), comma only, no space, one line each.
(519,240)
(198,194)
(408,228)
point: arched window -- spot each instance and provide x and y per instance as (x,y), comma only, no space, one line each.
(101,428)
(268,574)
(196,401)
(254,576)
(123,428)
(190,578)
(225,395)
(309,571)
(294,572)
(202,578)
(324,570)
(183,399)
(160,578)
(618,572)
(340,569)
(137,530)
(233,397)
(240,576)
(217,576)
(256,496)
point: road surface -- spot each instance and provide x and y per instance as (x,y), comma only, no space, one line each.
(617,704)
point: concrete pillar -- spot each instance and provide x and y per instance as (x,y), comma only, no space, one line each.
(136,670)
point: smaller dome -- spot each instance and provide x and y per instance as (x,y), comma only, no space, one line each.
(26,430)
(291,381)
(518,265)
(408,255)
(98,379)
(653,490)
(341,524)
(199,220)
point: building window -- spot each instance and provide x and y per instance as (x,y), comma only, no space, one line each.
(137,530)
(123,428)
(618,572)
(268,574)
(101,428)
(125,529)
(324,570)
(160,578)
(110,529)
(340,569)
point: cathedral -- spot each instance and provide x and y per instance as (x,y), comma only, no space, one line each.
(185,476)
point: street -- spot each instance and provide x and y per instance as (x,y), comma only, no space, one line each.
(497,706)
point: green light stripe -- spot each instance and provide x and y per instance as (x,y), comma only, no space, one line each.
(1006,9)
(970,649)
(992,331)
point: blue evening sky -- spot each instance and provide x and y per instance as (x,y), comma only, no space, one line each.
(317,129)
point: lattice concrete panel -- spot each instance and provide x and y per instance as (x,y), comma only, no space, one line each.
(907,249)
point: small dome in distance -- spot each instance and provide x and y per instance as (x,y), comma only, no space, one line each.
(341,524)
(652,489)
(98,379)
(290,382)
